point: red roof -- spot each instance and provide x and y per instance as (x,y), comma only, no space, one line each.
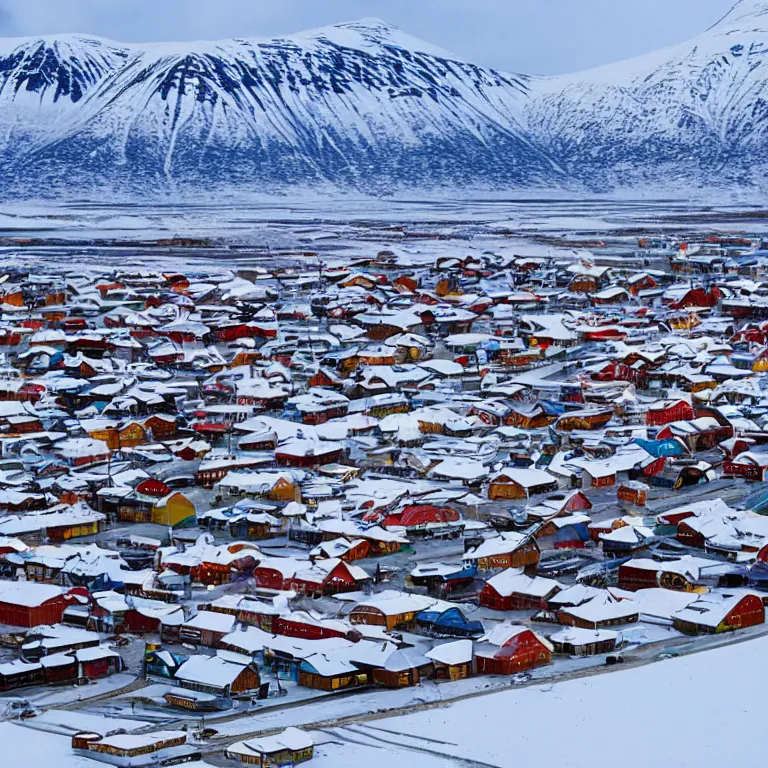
(152,487)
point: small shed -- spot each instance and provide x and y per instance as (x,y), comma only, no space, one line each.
(633,492)
(452,661)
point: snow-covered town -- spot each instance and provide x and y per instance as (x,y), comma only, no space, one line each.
(249,511)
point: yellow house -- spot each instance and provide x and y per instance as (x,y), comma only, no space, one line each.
(132,434)
(174,510)
(284,489)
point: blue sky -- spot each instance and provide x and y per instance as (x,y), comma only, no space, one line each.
(531,36)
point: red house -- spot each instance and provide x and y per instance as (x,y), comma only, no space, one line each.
(305,626)
(513,590)
(328,577)
(510,649)
(751,465)
(718,611)
(667,411)
(307,453)
(29,604)
(415,516)
(698,297)
(276,572)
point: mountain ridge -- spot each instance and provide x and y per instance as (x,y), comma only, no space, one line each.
(364,106)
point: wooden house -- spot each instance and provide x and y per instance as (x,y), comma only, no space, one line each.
(332,671)
(507,550)
(509,649)
(28,604)
(218,676)
(513,590)
(391,610)
(276,572)
(225,564)
(206,628)
(586,420)
(641,282)
(534,416)
(601,611)
(517,483)
(667,411)
(328,577)
(402,669)
(633,492)
(291,747)
(174,510)
(452,661)
(574,641)
(750,465)
(720,611)
(123,750)
(686,574)
(343,549)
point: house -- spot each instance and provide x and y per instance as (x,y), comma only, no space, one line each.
(402,669)
(275,486)
(393,609)
(441,579)
(335,670)
(667,411)
(28,604)
(276,572)
(207,628)
(513,590)
(301,624)
(509,649)
(58,524)
(574,641)
(216,466)
(452,661)
(218,676)
(95,663)
(751,465)
(601,611)
(82,451)
(513,483)
(327,577)
(343,549)
(224,564)
(506,550)
(686,574)
(300,452)
(720,611)
(175,511)
(290,747)
(566,532)
(626,540)
(633,492)
(127,749)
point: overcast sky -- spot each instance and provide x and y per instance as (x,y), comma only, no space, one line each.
(531,36)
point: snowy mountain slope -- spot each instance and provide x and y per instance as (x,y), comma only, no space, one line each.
(41,82)
(695,113)
(349,105)
(366,108)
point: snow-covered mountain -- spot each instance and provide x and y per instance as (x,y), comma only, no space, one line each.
(360,105)
(695,113)
(367,108)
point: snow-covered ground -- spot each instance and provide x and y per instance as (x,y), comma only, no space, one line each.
(700,710)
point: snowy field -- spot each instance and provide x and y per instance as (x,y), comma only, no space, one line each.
(690,711)
(315,221)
